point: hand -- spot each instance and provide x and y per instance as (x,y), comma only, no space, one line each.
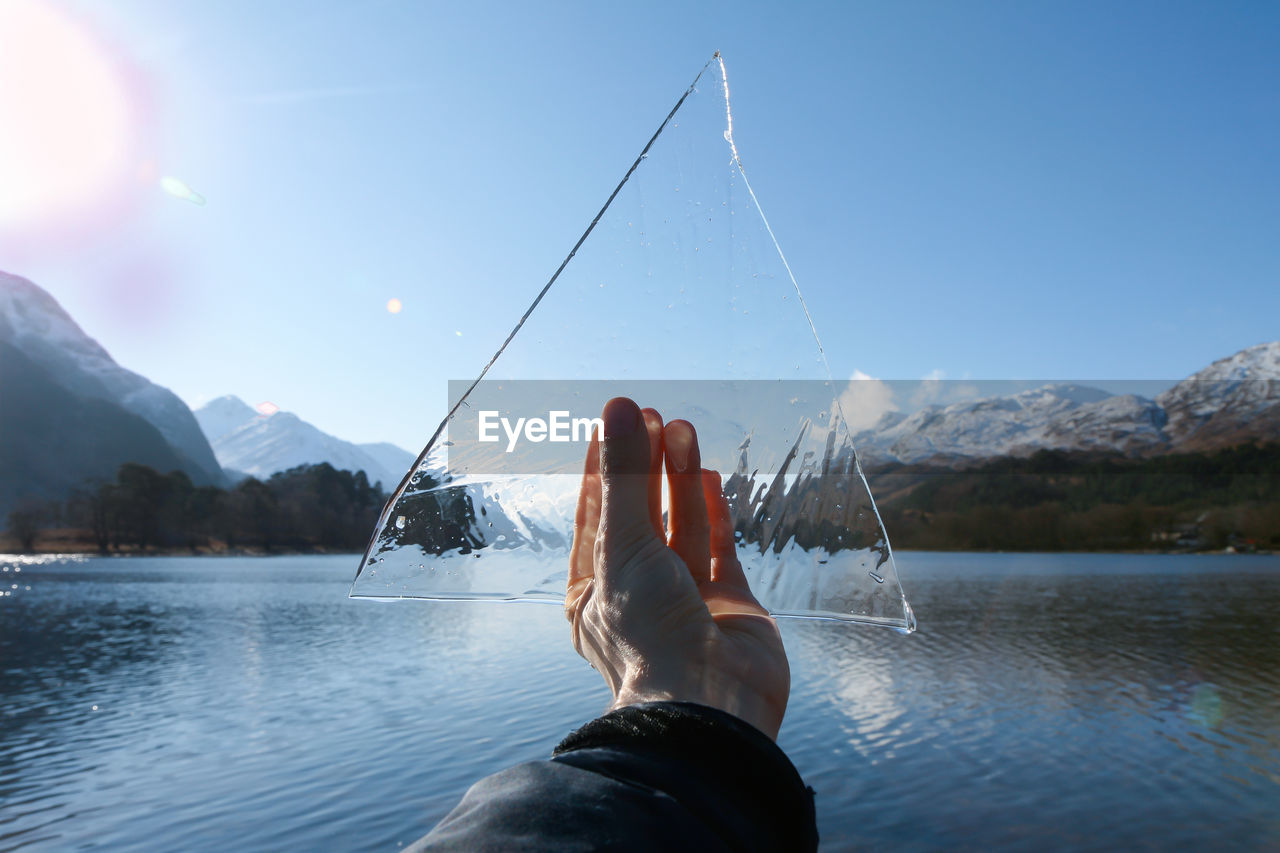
(667,614)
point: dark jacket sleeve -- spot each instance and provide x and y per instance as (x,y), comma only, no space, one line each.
(659,776)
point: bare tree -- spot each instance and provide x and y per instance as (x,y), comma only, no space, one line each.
(24,524)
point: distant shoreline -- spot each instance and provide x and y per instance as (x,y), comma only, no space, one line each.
(73,542)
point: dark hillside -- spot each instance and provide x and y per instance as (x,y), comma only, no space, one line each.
(1058,501)
(52,441)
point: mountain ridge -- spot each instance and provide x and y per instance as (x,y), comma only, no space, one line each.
(251,443)
(34,323)
(1234,400)
(71,415)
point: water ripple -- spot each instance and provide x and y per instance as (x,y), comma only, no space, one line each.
(1079,701)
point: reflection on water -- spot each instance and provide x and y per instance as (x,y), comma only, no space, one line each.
(1079,701)
(206,703)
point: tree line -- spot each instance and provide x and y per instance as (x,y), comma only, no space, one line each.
(1056,501)
(1050,501)
(307,508)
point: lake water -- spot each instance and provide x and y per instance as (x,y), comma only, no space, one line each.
(1077,701)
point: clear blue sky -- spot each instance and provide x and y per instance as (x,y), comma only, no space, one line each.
(1080,191)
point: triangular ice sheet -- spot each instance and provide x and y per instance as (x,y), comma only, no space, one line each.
(680,298)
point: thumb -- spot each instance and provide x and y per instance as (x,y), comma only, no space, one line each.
(624,469)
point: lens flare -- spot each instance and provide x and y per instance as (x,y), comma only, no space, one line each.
(267,408)
(394,305)
(179,189)
(68,117)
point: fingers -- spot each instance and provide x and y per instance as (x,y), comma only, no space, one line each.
(689,535)
(625,469)
(717,515)
(586,522)
(725,567)
(653,423)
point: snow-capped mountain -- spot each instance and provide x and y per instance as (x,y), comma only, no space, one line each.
(259,445)
(1233,400)
(1128,423)
(223,416)
(1065,417)
(33,323)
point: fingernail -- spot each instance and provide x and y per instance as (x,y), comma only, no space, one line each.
(678,444)
(621,417)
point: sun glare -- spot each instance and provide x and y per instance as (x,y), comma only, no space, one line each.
(66,114)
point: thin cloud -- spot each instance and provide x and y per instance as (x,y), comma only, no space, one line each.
(930,389)
(865,400)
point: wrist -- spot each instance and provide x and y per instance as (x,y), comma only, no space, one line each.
(740,701)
